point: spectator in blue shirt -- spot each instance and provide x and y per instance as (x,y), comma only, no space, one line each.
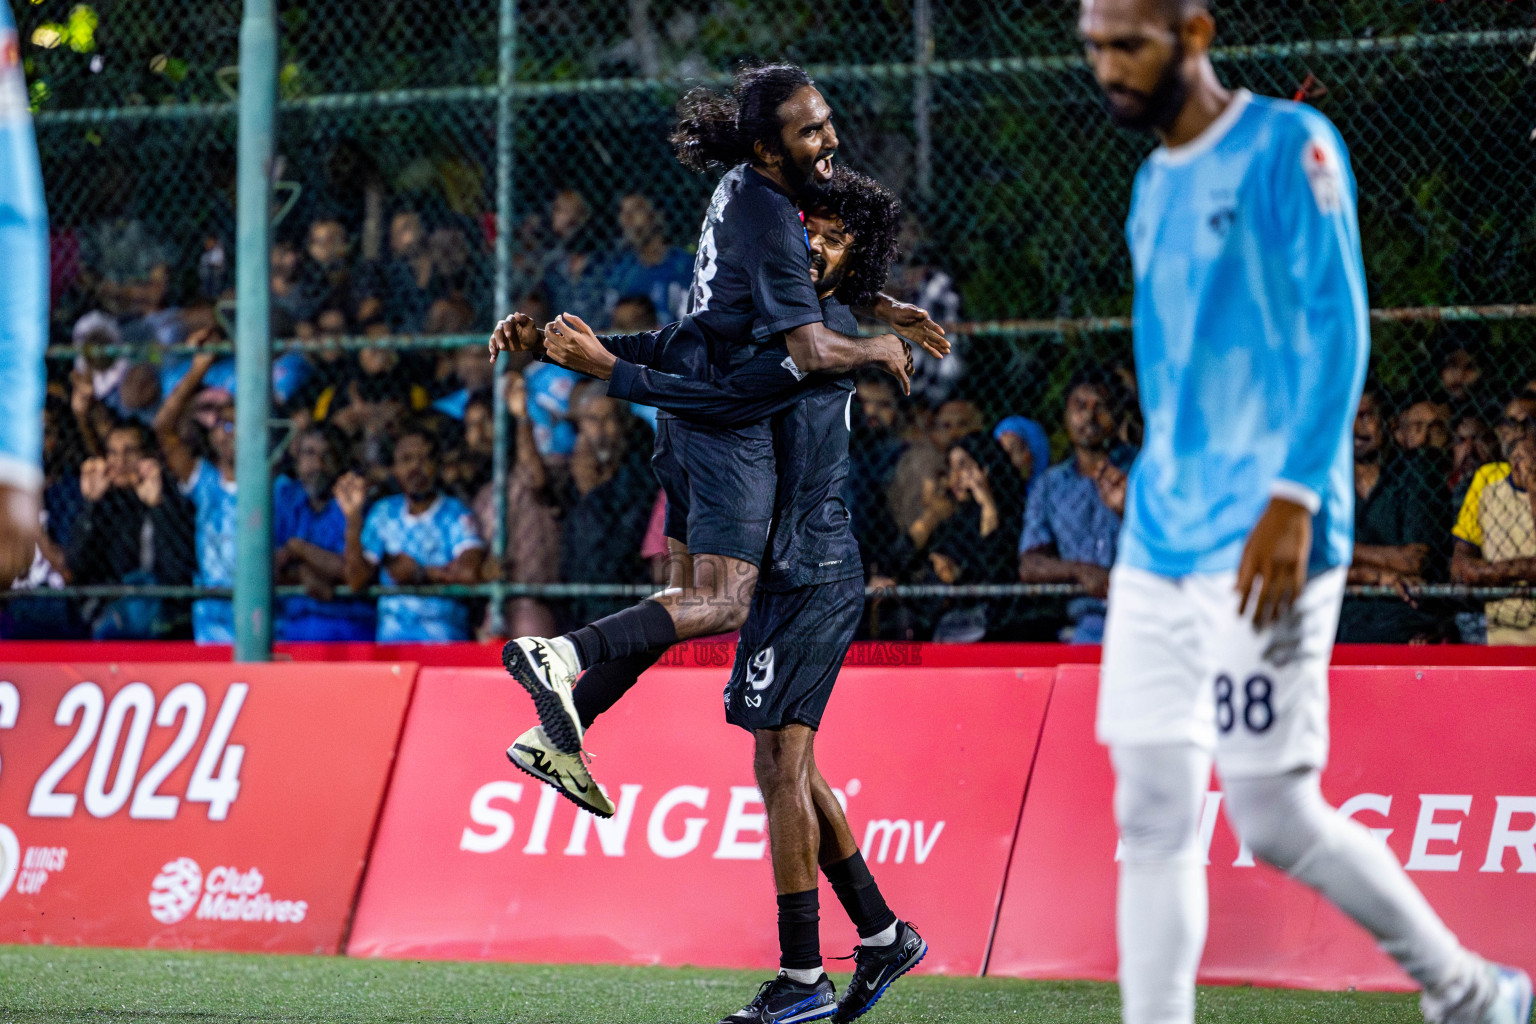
(419,536)
(210,485)
(1072,517)
(648,265)
(309,544)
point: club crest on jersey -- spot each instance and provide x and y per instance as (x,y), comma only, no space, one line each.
(1324,175)
(760,669)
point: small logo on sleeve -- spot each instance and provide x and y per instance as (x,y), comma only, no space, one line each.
(1324,174)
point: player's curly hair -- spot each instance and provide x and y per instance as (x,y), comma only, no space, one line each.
(715,129)
(872,214)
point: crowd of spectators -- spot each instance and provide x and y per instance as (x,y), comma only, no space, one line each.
(384,473)
(1443,483)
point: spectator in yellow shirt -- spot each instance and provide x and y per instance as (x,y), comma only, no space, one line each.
(1505,552)
(1517,422)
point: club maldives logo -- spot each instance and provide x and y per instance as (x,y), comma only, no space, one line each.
(226,894)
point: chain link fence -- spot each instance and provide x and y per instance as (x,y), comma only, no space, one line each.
(406,125)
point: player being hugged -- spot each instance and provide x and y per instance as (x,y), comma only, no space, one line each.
(804,612)
(1252,336)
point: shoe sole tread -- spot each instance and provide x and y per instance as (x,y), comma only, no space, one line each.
(554,716)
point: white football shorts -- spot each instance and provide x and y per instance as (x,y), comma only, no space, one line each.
(1181,666)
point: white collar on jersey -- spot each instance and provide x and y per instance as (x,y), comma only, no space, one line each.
(426,513)
(1173,156)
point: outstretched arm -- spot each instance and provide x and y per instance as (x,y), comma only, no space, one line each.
(765,384)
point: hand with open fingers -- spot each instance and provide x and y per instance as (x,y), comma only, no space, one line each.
(914,324)
(572,344)
(1275,562)
(515,333)
(351,494)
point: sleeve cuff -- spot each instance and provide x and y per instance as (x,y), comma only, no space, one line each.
(621,383)
(1304,496)
(469,544)
(371,558)
(787,323)
(21,474)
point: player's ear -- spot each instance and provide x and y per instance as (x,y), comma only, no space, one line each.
(1198,31)
(767,155)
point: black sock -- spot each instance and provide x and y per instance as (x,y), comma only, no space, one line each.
(860,896)
(799,931)
(602,686)
(645,627)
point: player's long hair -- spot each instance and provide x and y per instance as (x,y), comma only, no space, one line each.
(872,214)
(720,129)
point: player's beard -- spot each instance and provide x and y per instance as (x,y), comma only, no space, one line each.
(802,180)
(1160,107)
(827,283)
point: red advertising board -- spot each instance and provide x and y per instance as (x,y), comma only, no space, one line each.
(475,860)
(191,806)
(1440,763)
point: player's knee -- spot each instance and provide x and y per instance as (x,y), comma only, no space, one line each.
(1155,825)
(779,761)
(1157,803)
(1280,818)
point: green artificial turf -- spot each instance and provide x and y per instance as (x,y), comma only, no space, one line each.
(66,985)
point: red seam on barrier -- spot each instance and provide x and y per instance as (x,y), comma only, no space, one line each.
(1018,826)
(378,818)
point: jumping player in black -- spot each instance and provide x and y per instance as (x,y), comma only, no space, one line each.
(751,287)
(805,609)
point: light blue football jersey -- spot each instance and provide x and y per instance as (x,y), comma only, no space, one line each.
(23,274)
(441,533)
(1251,335)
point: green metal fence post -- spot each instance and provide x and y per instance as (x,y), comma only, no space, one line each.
(506,74)
(922,94)
(253,333)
